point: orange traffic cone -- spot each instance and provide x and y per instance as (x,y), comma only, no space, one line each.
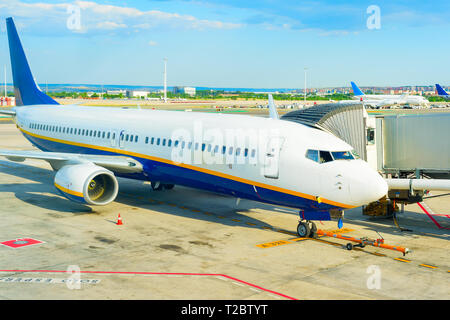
(119,220)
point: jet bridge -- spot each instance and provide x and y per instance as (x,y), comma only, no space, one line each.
(346,121)
(399,146)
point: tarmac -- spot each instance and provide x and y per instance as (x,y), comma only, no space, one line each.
(190,244)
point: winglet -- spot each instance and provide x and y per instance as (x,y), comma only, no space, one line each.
(356,90)
(441,91)
(25,89)
(273,114)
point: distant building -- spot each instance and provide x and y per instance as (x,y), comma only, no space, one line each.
(137,94)
(184,90)
(116,92)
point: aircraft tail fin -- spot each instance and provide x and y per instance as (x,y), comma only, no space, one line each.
(356,90)
(26,90)
(440,90)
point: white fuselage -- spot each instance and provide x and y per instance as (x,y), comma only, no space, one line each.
(382,100)
(244,152)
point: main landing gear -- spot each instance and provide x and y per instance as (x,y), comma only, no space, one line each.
(158,186)
(306,229)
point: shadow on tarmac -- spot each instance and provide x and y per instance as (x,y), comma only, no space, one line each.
(221,209)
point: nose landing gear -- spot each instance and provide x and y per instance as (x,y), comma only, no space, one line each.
(306,229)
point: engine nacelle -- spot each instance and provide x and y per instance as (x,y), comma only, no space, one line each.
(87,183)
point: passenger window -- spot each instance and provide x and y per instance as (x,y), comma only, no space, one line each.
(153,140)
(313,155)
(158,141)
(209,148)
(238,151)
(245,152)
(169,143)
(146,140)
(216,149)
(224,149)
(203,146)
(230,151)
(189,145)
(164,142)
(325,156)
(253,153)
(183,144)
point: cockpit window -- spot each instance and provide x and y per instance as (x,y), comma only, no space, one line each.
(325,156)
(355,154)
(342,155)
(313,155)
(321,156)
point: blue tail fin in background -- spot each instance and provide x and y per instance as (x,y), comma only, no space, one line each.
(25,89)
(356,90)
(441,91)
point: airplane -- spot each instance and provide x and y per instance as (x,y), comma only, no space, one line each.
(262,159)
(441,92)
(378,100)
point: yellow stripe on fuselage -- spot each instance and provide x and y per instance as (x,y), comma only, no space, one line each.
(191,167)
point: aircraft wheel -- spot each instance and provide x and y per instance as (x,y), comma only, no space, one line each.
(303,230)
(156,185)
(349,246)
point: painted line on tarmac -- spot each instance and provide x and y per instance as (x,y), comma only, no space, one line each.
(402,260)
(427,266)
(272,293)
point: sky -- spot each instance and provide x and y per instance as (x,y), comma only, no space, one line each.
(234,43)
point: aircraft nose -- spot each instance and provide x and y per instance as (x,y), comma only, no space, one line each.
(368,187)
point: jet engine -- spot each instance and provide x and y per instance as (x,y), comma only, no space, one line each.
(87,183)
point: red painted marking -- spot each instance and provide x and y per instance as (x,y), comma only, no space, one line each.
(431,217)
(16,243)
(161,273)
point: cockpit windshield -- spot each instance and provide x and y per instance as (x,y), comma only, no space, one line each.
(342,155)
(322,156)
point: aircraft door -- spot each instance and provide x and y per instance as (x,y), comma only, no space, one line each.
(121,139)
(113,138)
(272,157)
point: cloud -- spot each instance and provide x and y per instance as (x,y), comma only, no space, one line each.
(110,25)
(99,18)
(152,43)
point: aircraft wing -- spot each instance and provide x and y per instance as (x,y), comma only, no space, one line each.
(8,112)
(58,159)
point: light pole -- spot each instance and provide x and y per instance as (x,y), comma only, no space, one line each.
(304,91)
(165,80)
